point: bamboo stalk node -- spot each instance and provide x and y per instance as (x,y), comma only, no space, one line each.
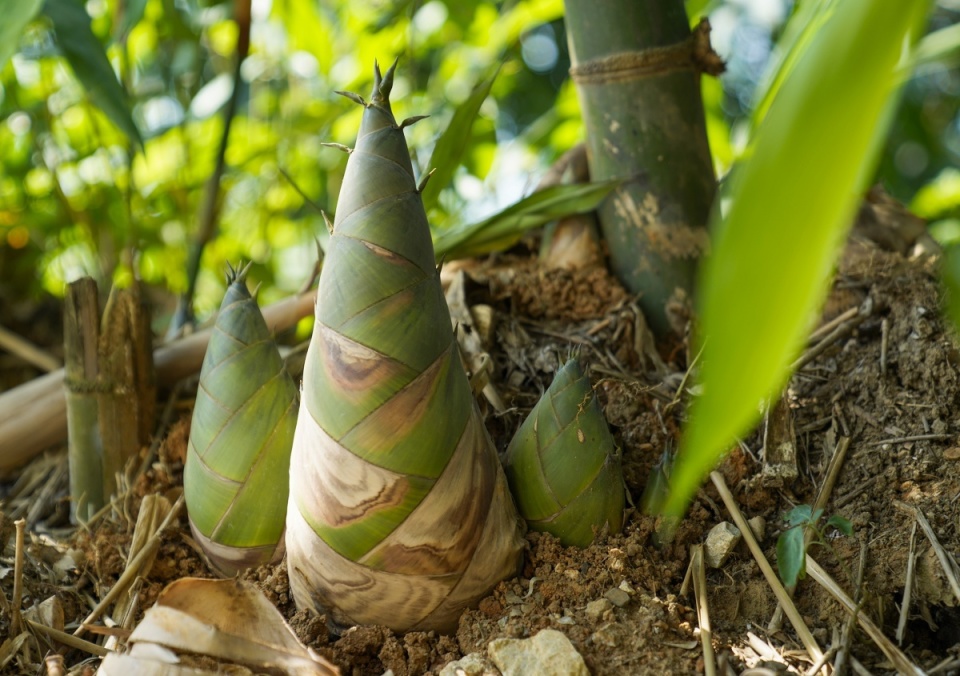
(694,53)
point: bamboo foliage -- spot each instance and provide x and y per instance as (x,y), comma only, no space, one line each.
(563,465)
(238,457)
(399,510)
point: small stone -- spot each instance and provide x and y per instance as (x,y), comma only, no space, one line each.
(627,587)
(473,664)
(617,597)
(610,635)
(721,541)
(596,609)
(512,599)
(758,526)
(952,453)
(549,653)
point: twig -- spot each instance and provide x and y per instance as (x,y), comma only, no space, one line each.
(915,437)
(809,642)
(304,196)
(133,568)
(16,620)
(946,561)
(907,586)
(884,340)
(69,639)
(819,334)
(210,206)
(703,610)
(892,652)
(27,351)
(842,330)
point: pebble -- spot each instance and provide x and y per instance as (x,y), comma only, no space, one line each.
(549,653)
(596,609)
(720,543)
(617,597)
(473,664)
(758,526)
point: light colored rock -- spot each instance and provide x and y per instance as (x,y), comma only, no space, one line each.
(721,541)
(596,609)
(549,653)
(617,597)
(474,664)
(758,526)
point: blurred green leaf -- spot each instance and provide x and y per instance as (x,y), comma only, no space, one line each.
(453,142)
(791,556)
(80,46)
(505,228)
(950,279)
(16,15)
(940,46)
(132,13)
(807,20)
(792,201)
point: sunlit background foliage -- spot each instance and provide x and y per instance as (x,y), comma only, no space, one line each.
(78,196)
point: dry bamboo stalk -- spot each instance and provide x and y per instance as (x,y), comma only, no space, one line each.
(127,394)
(134,565)
(33,416)
(703,610)
(893,653)
(806,637)
(27,351)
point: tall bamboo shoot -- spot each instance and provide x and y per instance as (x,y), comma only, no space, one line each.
(399,510)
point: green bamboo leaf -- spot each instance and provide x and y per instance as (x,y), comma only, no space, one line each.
(86,56)
(453,142)
(506,227)
(791,556)
(791,203)
(940,46)
(809,17)
(16,15)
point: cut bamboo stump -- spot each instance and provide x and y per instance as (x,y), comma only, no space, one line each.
(110,391)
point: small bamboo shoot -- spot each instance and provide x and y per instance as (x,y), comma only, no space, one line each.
(563,466)
(238,457)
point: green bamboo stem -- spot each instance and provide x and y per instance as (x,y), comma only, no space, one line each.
(81,329)
(637,71)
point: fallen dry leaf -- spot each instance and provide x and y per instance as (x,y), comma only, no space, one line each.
(230,622)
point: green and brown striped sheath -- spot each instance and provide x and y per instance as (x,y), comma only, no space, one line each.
(238,458)
(399,510)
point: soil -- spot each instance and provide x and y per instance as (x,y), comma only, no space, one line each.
(890,384)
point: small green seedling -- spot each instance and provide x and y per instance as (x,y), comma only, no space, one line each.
(791,547)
